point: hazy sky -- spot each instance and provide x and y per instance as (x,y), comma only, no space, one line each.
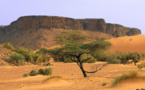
(130,13)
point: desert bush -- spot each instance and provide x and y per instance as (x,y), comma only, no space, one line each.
(114,61)
(40,58)
(25,75)
(125,76)
(135,56)
(46,71)
(110,57)
(33,73)
(104,83)
(27,53)
(8,46)
(142,65)
(17,59)
(41,71)
(32,57)
(143,55)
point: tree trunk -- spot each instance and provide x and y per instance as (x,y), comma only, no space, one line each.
(83,71)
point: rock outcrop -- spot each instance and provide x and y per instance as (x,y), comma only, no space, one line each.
(119,30)
(39,31)
(49,22)
(94,24)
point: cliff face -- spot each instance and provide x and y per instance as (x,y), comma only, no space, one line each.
(35,22)
(49,22)
(94,24)
(39,31)
(119,30)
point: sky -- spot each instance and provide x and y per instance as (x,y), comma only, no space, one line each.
(130,13)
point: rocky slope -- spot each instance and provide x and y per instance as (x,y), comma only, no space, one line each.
(32,31)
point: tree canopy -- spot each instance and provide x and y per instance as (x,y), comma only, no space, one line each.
(75,48)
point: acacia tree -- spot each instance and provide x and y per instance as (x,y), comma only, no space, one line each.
(74,47)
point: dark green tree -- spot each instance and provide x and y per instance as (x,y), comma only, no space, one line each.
(74,46)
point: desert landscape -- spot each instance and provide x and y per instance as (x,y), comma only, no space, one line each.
(11,77)
(68,76)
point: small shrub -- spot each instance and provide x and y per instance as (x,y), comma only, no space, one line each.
(142,65)
(41,71)
(17,59)
(47,71)
(27,53)
(114,61)
(33,73)
(8,46)
(25,75)
(104,83)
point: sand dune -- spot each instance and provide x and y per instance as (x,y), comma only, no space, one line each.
(128,43)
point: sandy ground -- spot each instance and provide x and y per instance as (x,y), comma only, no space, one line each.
(128,43)
(11,77)
(72,78)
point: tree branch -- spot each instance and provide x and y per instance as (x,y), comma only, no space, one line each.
(97,69)
(86,59)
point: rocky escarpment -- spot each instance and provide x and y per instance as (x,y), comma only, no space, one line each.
(49,22)
(39,31)
(94,24)
(36,22)
(119,30)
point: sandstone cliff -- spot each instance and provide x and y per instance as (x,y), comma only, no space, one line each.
(49,22)
(119,30)
(39,31)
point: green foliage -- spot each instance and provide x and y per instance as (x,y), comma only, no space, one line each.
(142,65)
(45,71)
(74,49)
(25,75)
(143,55)
(118,57)
(33,73)
(125,76)
(67,60)
(135,56)
(104,83)
(8,46)
(32,57)
(17,59)
(68,37)
(27,53)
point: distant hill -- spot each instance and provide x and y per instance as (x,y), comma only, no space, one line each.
(39,31)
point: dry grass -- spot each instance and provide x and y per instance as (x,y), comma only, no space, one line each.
(127,76)
(51,77)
